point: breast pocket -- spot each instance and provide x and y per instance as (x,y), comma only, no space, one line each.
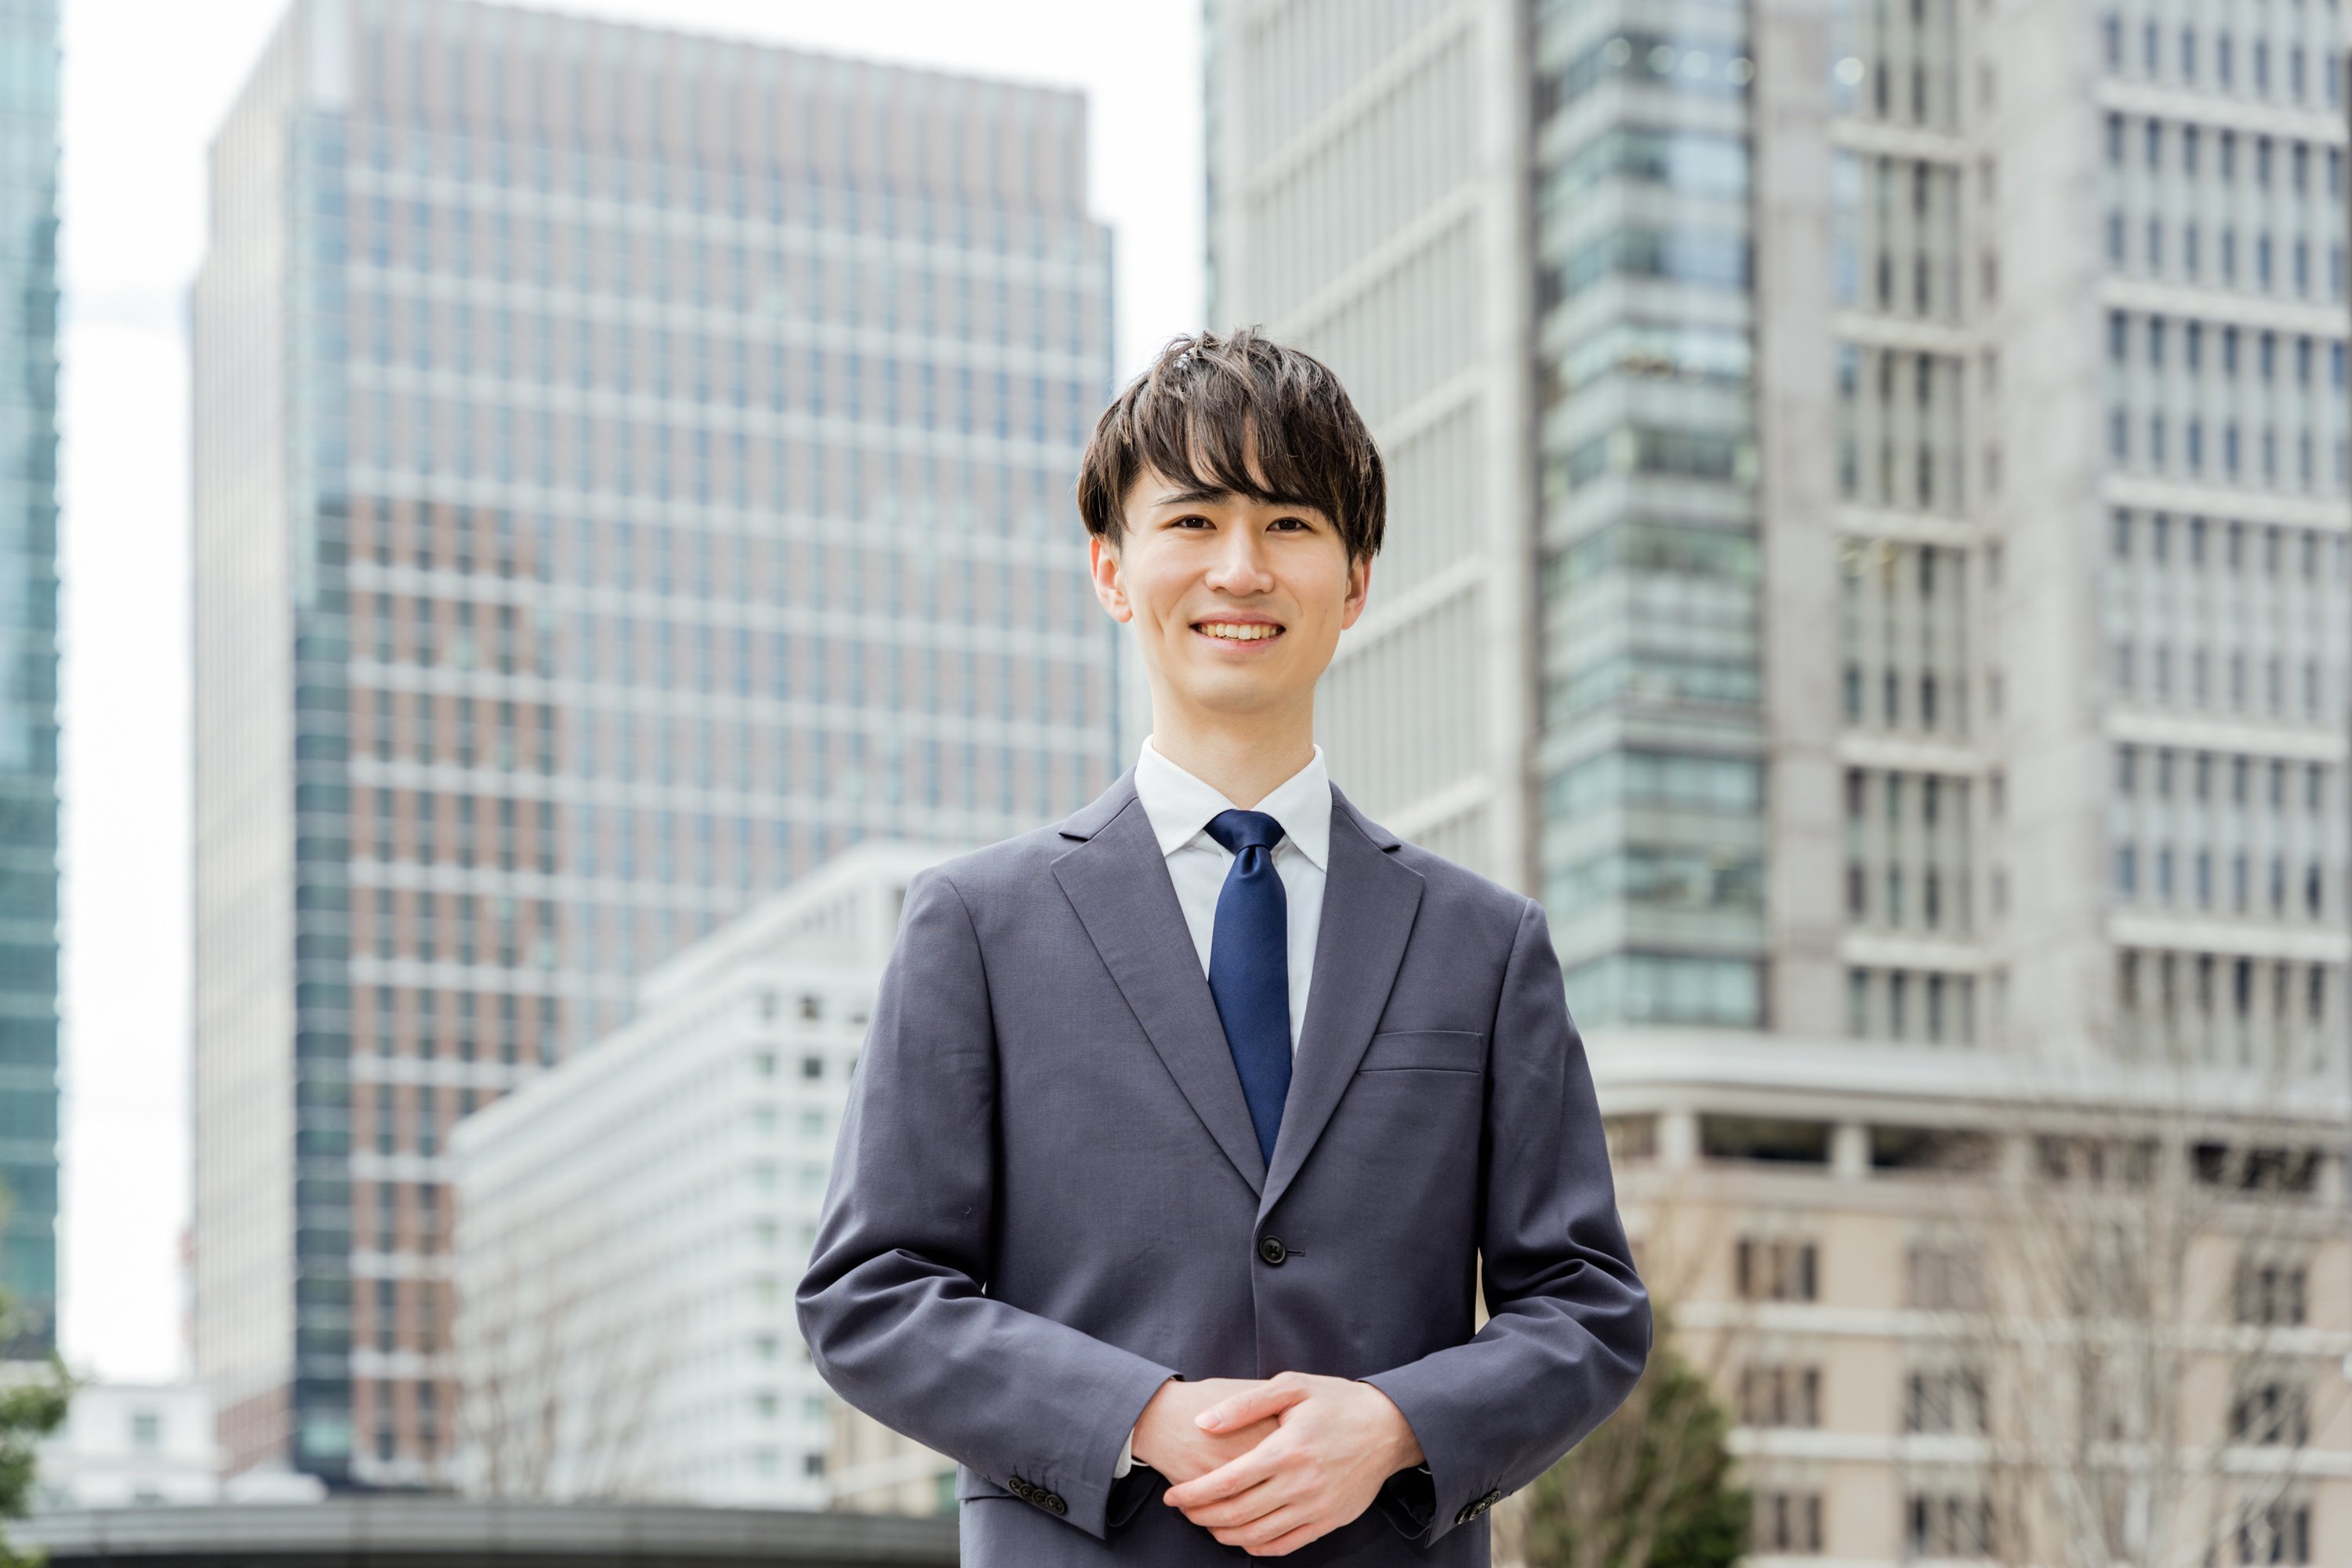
(1426,1050)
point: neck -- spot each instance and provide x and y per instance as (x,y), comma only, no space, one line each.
(1244,757)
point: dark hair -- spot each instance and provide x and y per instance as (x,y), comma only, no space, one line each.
(1202,408)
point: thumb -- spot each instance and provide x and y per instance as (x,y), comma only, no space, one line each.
(1249,1406)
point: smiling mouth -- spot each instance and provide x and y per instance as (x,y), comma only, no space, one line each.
(1237,631)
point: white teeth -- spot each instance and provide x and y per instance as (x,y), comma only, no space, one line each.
(1236,632)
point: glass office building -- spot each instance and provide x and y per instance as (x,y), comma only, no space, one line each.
(630,468)
(1649,755)
(28,659)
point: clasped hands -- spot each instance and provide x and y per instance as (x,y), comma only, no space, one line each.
(1271,1465)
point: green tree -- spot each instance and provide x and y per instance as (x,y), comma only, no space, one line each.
(33,1400)
(28,1412)
(1652,1488)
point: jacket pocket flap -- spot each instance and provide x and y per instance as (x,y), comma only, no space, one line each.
(1426,1050)
(970,1483)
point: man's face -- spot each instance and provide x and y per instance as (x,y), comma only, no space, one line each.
(1237,603)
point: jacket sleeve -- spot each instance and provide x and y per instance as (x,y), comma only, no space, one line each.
(894,1306)
(1569,1324)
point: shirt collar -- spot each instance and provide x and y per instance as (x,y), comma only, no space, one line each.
(1180,806)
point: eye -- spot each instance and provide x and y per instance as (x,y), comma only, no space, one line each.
(1189,516)
(1304,525)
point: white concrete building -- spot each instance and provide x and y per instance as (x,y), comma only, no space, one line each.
(1882,470)
(631,1225)
(126,1444)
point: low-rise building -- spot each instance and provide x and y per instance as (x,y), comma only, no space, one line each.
(126,1444)
(631,1225)
(1958,1305)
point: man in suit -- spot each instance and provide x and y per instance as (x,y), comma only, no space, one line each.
(1188,1128)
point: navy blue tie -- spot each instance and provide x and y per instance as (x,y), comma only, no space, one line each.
(1249,967)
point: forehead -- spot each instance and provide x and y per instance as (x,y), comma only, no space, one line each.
(1154,489)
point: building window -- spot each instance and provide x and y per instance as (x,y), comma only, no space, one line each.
(1947,1401)
(2272,1411)
(2271,1293)
(1775,1270)
(2277,1533)
(1946,1525)
(1780,1396)
(1787,1524)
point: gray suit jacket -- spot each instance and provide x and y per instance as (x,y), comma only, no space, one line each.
(1047,1198)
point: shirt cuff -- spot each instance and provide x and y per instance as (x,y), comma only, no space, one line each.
(1125,1456)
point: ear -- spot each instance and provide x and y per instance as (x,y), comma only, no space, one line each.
(1104,564)
(1360,591)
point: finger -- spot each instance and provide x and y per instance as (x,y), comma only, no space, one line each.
(1231,1512)
(1259,1534)
(1259,1403)
(1235,1475)
(1283,1545)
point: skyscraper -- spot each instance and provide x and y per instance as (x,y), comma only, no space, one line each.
(1907,448)
(629,468)
(28,656)
(1362,204)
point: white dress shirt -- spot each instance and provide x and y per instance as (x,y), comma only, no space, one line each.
(1179,808)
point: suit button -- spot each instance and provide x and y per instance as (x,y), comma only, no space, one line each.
(1270,1248)
(1053,1504)
(1021,1488)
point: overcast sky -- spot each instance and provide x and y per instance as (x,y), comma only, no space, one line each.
(146,82)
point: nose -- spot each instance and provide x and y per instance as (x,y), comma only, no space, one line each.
(1240,565)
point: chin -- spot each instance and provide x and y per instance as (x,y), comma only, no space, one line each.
(1235,697)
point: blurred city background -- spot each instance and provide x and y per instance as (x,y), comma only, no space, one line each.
(522,528)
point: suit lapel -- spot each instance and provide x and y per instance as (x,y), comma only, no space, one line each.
(1370,898)
(1116,880)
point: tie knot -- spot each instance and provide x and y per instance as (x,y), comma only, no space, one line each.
(1237,830)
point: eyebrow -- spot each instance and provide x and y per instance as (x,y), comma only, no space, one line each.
(1193,493)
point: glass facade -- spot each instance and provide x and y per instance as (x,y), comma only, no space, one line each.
(670,504)
(28,662)
(1649,754)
